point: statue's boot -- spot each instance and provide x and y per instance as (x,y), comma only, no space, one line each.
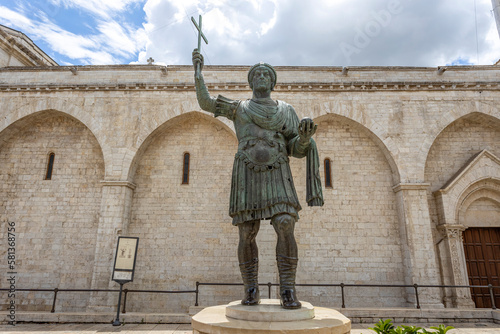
(287,267)
(249,273)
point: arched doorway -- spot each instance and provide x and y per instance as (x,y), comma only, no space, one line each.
(480,214)
(462,158)
(482,256)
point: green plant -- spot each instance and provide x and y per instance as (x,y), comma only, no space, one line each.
(386,327)
(383,327)
(441,329)
(407,329)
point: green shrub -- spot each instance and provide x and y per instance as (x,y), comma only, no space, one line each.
(386,327)
(383,327)
(441,329)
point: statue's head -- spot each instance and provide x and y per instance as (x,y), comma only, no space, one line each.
(262,69)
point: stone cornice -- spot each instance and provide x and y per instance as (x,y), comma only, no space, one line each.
(355,86)
(18,44)
(410,186)
(119,184)
(232,68)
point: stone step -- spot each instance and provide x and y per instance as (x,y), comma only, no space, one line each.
(98,318)
(357,315)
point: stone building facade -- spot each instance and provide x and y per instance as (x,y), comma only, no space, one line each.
(414,155)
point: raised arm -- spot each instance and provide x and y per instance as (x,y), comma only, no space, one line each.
(205,101)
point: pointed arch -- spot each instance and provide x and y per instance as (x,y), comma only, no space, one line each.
(172,122)
(51,213)
(388,153)
(18,122)
(486,190)
(472,109)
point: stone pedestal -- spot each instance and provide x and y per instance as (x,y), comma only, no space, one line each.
(269,317)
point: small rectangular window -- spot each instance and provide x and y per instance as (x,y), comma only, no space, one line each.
(328,173)
(50,166)
(185,169)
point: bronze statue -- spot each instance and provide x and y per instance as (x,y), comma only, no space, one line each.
(262,187)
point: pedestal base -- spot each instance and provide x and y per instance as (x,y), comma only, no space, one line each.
(215,320)
(268,311)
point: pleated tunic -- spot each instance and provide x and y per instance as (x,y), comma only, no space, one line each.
(262,184)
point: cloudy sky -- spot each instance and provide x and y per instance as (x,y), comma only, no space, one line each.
(243,32)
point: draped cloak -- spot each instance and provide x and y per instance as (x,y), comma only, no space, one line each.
(262,184)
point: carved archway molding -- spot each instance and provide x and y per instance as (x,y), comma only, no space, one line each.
(452,115)
(478,178)
(485,189)
(481,171)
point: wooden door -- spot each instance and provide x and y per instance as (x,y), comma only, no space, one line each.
(482,254)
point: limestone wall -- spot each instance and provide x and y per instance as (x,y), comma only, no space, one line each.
(7,60)
(394,135)
(185,232)
(55,220)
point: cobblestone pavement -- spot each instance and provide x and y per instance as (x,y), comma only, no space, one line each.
(481,328)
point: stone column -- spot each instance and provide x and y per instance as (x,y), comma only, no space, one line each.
(114,219)
(417,245)
(453,254)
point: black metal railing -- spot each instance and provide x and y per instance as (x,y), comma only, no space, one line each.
(56,291)
(127,291)
(343,287)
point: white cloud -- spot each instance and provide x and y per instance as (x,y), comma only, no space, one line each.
(124,40)
(13,18)
(102,8)
(112,42)
(47,31)
(492,53)
(297,32)
(227,25)
(266,26)
(281,32)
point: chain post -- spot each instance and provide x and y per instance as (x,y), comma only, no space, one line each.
(197,291)
(416,295)
(492,296)
(54,301)
(343,296)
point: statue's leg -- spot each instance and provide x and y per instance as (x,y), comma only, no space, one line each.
(248,256)
(286,256)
